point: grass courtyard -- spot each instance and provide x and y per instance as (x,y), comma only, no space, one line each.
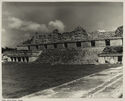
(19,79)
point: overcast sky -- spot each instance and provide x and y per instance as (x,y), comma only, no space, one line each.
(21,20)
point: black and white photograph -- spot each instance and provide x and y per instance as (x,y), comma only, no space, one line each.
(62,50)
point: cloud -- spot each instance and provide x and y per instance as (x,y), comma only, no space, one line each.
(15,23)
(32,26)
(18,24)
(57,24)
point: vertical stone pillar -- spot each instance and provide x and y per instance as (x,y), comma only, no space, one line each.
(14,59)
(21,59)
(27,59)
(17,59)
(11,59)
(24,59)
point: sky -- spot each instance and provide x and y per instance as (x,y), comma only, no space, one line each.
(21,20)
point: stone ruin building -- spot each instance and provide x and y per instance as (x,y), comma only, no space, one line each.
(75,47)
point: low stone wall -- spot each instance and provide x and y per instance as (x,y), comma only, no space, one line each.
(70,56)
(21,56)
(111,60)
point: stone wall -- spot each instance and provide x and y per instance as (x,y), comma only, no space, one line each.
(100,43)
(111,60)
(32,59)
(21,56)
(70,56)
(86,44)
(73,44)
(117,42)
(33,47)
(22,48)
(41,47)
(60,46)
(50,46)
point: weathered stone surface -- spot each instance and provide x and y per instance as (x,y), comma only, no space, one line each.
(71,56)
(75,47)
(119,31)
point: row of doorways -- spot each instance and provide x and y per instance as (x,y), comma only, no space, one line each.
(19,59)
(78,44)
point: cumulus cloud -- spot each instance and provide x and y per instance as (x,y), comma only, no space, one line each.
(16,23)
(32,26)
(57,24)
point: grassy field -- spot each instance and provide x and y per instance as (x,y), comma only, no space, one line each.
(19,79)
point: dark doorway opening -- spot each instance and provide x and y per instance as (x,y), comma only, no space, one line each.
(15,59)
(55,45)
(19,59)
(78,44)
(65,45)
(45,45)
(28,47)
(11,58)
(27,59)
(107,42)
(119,58)
(37,47)
(93,43)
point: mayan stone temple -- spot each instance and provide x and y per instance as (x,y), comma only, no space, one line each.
(75,47)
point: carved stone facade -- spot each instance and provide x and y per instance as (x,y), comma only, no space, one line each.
(114,41)
(111,55)
(78,40)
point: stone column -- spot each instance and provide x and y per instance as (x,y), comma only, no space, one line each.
(27,59)
(14,59)
(11,59)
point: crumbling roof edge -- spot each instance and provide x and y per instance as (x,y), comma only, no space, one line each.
(110,54)
(72,41)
